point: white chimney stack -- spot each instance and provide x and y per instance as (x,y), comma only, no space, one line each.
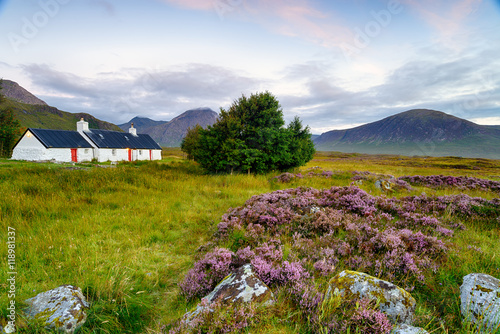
(82,125)
(132,130)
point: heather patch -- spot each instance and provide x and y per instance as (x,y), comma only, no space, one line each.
(459,182)
(314,172)
(218,318)
(297,238)
(363,318)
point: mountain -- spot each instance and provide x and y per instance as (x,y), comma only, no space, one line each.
(140,123)
(171,133)
(13,91)
(35,113)
(416,132)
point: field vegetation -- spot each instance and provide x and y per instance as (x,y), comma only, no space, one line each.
(130,235)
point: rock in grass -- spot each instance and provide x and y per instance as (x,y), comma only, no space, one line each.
(407,329)
(240,286)
(480,301)
(384,185)
(63,308)
(396,303)
(7,330)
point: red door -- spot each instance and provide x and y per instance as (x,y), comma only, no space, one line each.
(150,154)
(129,155)
(74,156)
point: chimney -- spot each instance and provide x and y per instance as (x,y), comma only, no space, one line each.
(132,130)
(82,125)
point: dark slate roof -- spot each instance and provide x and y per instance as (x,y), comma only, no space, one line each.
(114,139)
(60,138)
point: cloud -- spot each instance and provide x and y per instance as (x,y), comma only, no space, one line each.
(301,19)
(448,18)
(193,4)
(294,18)
(487,120)
(107,6)
(467,86)
(158,94)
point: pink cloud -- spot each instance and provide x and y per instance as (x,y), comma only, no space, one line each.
(193,4)
(295,18)
(300,19)
(448,18)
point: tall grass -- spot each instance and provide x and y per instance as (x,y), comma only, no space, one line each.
(128,234)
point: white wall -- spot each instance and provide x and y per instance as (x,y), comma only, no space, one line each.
(145,155)
(106,154)
(29,148)
(84,154)
(156,155)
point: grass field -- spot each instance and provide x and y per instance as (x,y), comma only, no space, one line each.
(127,235)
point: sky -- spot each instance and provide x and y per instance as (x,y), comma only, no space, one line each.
(336,64)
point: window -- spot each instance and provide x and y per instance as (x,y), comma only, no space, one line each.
(113,151)
(86,151)
(140,152)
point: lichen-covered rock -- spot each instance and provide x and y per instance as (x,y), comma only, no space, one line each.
(480,300)
(62,308)
(407,329)
(396,303)
(240,286)
(7,330)
(384,185)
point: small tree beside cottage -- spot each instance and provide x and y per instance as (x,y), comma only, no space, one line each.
(250,137)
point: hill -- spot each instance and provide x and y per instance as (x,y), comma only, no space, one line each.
(170,134)
(35,113)
(416,132)
(142,123)
(13,91)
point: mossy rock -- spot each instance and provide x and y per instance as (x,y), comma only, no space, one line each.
(480,301)
(241,286)
(395,302)
(63,308)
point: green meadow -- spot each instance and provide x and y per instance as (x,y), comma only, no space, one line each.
(127,234)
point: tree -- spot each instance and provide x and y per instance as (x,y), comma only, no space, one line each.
(9,128)
(250,137)
(2,98)
(190,141)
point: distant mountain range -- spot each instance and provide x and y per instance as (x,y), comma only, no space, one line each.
(416,132)
(171,133)
(35,113)
(32,112)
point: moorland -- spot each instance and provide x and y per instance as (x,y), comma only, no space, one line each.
(128,234)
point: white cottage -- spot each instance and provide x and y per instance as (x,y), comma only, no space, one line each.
(85,144)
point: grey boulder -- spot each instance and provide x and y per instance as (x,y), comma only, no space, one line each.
(396,303)
(480,301)
(63,308)
(407,329)
(240,286)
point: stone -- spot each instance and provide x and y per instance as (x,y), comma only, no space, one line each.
(407,329)
(396,303)
(8,329)
(480,301)
(243,285)
(384,185)
(63,308)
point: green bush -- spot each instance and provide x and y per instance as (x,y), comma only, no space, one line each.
(250,137)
